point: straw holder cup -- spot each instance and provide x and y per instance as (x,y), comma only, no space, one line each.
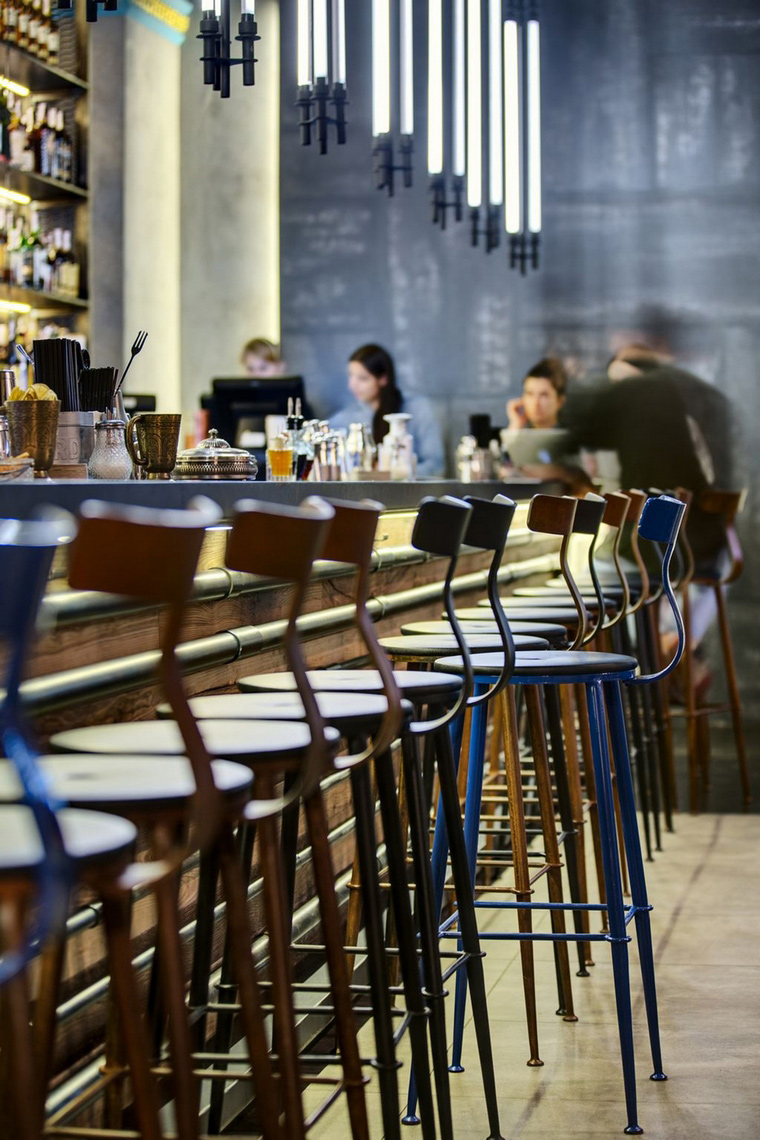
(33,425)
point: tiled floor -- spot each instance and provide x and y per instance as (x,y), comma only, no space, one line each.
(706,891)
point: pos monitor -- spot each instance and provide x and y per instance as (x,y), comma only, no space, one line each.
(241,405)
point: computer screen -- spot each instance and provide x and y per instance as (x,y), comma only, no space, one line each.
(241,404)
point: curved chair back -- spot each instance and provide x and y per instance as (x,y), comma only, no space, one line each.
(660,522)
(589,514)
(638,499)
(151,555)
(615,515)
(554,514)
(439,529)
(728,504)
(351,540)
(284,542)
(27,550)
(683,551)
(488,529)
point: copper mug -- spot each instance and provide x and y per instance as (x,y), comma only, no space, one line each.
(152,440)
(33,426)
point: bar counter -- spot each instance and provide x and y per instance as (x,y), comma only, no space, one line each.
(96,656)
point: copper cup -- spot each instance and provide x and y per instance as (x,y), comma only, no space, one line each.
(152,441)
(33,425)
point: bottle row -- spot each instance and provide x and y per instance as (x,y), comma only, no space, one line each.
(29,25)
(34,138)
(32,259)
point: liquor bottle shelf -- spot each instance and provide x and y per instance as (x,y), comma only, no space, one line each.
(41,302)
(41,78)
(39,187)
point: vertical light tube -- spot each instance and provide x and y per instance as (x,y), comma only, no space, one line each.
(495,107)
(321,66)
(512,184)
(339,41)
(474,106)
(435,87)
(533,127)
(247,7)
(406,69)
(304,43)
(381,67)
(458,155)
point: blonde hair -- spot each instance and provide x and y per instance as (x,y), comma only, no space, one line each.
(262,347)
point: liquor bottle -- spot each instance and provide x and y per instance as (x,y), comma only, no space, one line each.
(63,149)
(53,41)
(43,36)
(23,25)
(6,118)
(4,264)
(68,272)
(34,135)
(35,17)
(10,21)
(48,143)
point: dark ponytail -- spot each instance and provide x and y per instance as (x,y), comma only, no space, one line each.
(379,364)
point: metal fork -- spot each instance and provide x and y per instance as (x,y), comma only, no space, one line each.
(137,347)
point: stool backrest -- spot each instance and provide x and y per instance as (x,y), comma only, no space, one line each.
(284,542)
(728,504)
(439,529)
(351,541)
(683,548)
(589,513)
(27,550)
(488,529)
(151,555)
(660,523)
(615,514)
(637,499)
(555,514)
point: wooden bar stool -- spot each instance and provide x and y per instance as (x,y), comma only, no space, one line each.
(602,676)
(43,854)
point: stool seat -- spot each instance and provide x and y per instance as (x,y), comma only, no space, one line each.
(418,687)
(423,648)
(611,589)
(258,739)
(135,783)
(89,837)
(554,634)
(565,663)
(559,615)
(347,712)
(528,596)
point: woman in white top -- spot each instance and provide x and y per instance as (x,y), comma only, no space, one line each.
(372,383)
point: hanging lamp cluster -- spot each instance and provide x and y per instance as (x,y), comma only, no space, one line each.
(216,35)
(484,121)
(321,70)
(392,40)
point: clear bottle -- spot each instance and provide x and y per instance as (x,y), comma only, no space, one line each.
(110,458)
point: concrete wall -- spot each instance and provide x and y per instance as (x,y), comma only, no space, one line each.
(652,202)
(230,213)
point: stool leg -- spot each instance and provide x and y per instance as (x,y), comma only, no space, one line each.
(576,801)
(690,698)
(734,695)
(242,966)
(642,771)
(636,868)
(472,807)
(21,1086)
(324,881)
(570,844)
(186,1091)
(549,829)
(468,926)
(616,910)
(664,755)
(365,860)
(648,666)
(581,701)
(203,943)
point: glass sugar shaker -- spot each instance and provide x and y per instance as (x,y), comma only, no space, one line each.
(110,458)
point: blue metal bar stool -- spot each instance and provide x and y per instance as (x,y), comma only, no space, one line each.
(602,676)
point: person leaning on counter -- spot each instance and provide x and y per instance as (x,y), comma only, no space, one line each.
(372,383)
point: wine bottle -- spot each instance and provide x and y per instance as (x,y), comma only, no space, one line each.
(53,40)
(35,17)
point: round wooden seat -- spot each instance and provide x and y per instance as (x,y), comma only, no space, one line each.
(91,839)
(417,687)
(256,740)
(568,663)
(554,634)
(135,784)
(346,712)
(559,615)
(530,595)
(425,648)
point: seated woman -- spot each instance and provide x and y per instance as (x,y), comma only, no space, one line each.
(260,357)
(539,407)
(372,383)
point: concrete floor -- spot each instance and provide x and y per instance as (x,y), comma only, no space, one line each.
(706,891)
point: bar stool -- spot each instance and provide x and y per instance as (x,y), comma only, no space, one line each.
(439,530)
(602,675)
(723,506)
(44,852)
(282,543)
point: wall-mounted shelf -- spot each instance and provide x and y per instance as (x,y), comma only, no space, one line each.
(39,187)
(41,78)
(42,302)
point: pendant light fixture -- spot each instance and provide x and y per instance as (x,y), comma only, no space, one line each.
(522,135)
(446,117)
(215,33)
(321,70)
(389,16)
(91,8)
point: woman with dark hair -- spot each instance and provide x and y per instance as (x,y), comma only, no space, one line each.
(372,383)
(543,395)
